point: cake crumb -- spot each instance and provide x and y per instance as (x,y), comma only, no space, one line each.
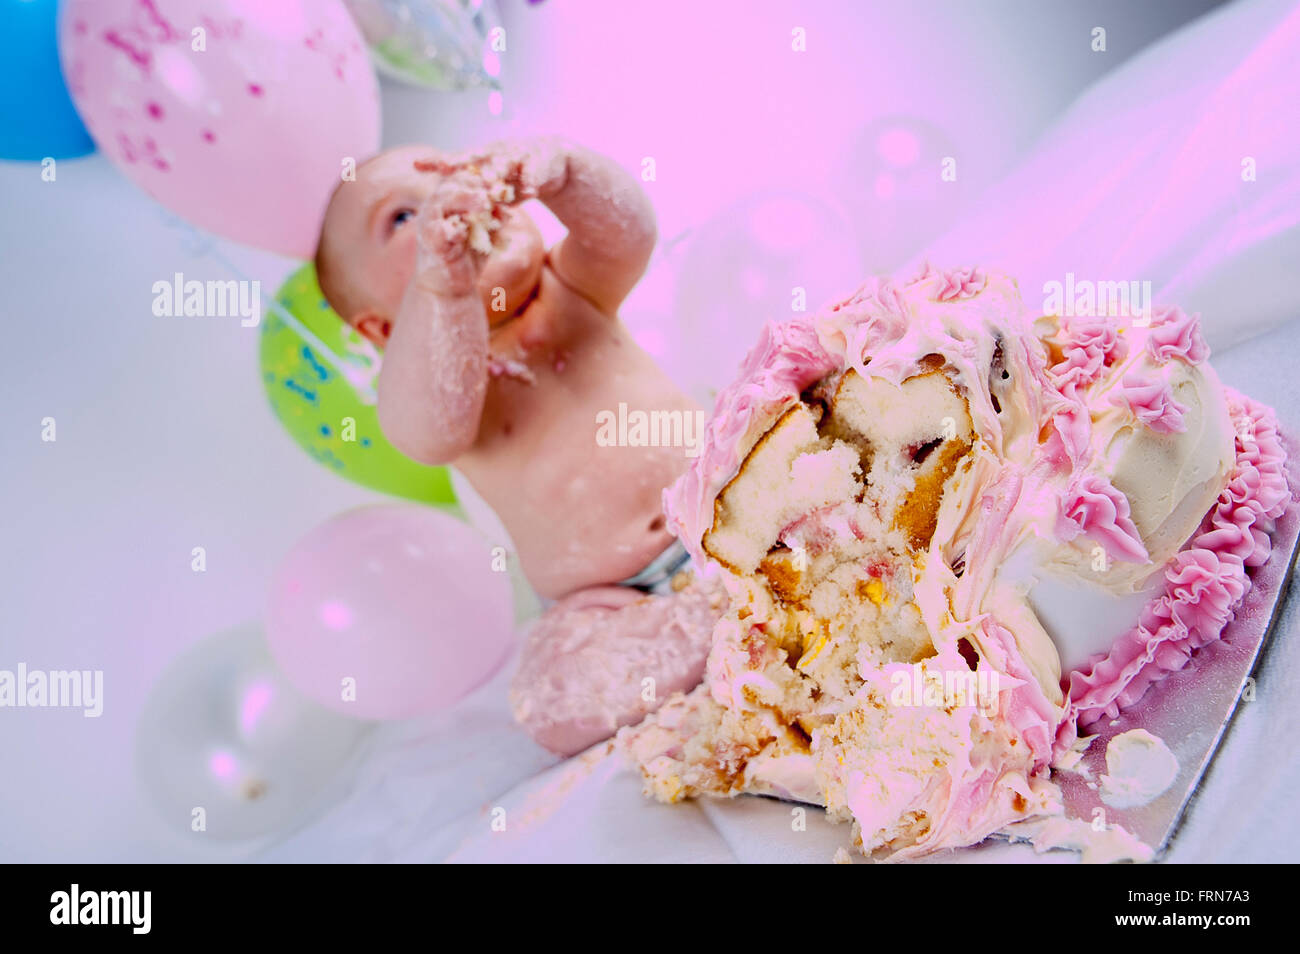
(1139,768)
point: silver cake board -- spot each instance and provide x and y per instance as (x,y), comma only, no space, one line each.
(1191,710)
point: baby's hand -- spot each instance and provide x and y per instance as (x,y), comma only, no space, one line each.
(609,217)
(454,230)
(524,169)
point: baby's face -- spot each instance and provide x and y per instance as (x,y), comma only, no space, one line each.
(370,233)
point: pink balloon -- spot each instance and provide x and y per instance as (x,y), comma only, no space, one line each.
(402,599)
(235,114)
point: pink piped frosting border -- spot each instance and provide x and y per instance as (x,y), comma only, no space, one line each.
(1204,583)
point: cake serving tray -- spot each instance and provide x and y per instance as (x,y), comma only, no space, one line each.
(1191,710)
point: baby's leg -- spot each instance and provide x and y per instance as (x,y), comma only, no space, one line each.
(608,656)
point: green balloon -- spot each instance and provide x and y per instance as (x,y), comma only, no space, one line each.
(323,393)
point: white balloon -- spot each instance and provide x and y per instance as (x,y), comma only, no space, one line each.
(229,750)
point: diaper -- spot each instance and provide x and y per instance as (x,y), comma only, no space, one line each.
(657,577)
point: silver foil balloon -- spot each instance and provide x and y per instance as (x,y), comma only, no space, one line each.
(229,750)
(440,44)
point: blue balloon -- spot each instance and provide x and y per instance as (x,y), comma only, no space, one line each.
(39,118)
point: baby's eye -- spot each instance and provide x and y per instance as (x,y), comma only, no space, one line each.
(400,217)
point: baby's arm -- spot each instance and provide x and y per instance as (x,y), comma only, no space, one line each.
(435,369)
(610,219)
(611,226)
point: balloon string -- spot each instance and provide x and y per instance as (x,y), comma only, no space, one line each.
(201,244)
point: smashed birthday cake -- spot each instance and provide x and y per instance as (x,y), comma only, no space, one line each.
(955,535)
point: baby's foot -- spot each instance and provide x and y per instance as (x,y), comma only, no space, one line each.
(606,657)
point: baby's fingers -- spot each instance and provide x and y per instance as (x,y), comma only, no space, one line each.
(544,166)
(449,163)
(454,227)
(461,192)
(445,263)
(530,167)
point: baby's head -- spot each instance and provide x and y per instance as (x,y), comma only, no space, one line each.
(367,251)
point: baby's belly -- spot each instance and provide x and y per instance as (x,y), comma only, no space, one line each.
(580,509)
(598,523)
(575,455)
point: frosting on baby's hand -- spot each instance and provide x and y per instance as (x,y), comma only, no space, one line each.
(464,213)
(531,169)
(478,186)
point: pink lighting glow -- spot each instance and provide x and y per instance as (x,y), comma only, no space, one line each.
(256,700)
(223,765)
(180,76)
(898,147)
(783,224)
(651,340)
(336,615)
(753,282)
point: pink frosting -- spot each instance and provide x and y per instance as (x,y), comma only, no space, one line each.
(953,284)
(1088,345)
(1073,425)
(1025,706)
(871,318)
(1099,334)
(1175,334)
(1151,400)
(1094,508)
(1204,583)
(787,359)
(877,296)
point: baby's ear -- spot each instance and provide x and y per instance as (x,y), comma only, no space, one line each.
(374,327)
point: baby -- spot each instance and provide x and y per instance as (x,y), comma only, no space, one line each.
(498,357)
